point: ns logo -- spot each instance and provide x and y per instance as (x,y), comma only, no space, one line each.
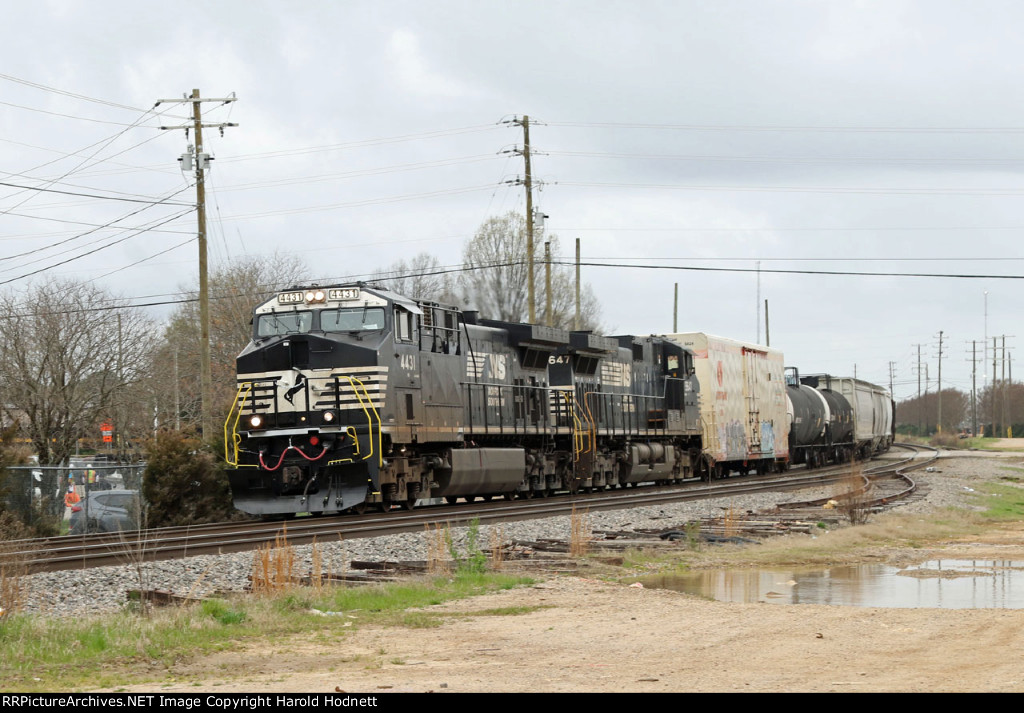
(496,366)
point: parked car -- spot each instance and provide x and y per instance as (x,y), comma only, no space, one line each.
(106,511)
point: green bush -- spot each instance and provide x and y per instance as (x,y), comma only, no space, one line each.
(183,483)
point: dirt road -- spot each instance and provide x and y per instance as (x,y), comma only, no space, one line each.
(581,634)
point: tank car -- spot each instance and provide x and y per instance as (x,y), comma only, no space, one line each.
(353,395)
(836,419)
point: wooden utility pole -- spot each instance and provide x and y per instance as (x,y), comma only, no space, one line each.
(675,311)
(577,324)
(528,182)
(547,283)
(940,382)
(201,163)
(767,334)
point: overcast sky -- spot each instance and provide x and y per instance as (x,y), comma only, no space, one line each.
(883,137)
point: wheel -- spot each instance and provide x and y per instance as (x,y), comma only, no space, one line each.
(410,503)
(486,498)
(384,506)
(360,508)
(450,499)
(510,497)
(544,493)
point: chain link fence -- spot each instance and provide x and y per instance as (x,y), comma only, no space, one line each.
(40,493)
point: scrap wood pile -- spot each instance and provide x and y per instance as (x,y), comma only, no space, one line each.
(729,527)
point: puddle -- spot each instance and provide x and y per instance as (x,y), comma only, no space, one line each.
(943,584)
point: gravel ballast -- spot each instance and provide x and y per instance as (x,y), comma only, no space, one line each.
(79,593)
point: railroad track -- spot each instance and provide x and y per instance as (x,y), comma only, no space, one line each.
(878,486)
(96,550)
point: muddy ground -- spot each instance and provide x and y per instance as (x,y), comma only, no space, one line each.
(589,635)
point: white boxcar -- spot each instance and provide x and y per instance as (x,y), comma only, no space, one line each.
(742,403)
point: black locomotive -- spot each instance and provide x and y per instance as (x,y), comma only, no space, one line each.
(354,395)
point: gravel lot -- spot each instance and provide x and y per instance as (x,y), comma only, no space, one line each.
(79,593)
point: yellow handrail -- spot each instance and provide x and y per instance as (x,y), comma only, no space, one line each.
(351,431)
(234,439)
(577,437)
(591,423)
(369,421)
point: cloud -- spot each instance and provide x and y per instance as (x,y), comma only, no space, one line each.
(411,70)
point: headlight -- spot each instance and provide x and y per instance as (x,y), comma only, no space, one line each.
(328,416)
(256,421)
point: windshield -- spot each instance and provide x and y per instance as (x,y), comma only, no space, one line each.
(352,319)
(269,325)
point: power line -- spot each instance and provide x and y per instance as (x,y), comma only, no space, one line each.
(822,129)
(87,195)
(803,189)
(95,250)
(73,95)
(794,272)
(896,160)
(97,228)
(781,229)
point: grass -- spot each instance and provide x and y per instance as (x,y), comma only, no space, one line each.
(1002,502)
(39,654)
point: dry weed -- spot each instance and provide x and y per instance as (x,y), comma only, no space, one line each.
(316,573)
(580,533)
(853,502)
(13,564)
(273,566)
(497,541)
(730,523)
(438,543)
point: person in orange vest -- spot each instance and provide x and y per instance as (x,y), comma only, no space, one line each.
(72,497)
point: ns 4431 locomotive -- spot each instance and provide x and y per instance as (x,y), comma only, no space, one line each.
(353,395)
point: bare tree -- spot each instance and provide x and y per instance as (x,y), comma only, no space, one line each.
(919,415)
(495,281)
(234,290)
(421,278)
(68,351)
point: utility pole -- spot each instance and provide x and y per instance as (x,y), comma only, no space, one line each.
(993,393)
(528,183)
(920,404)
(1002,431)
(757,304)
(547,282)
(201,163)
(940,382)
(999,387)
(974,388)
(578,323)
(891,365)
(675,311)
(767,334)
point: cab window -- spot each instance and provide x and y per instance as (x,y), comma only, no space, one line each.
(352,319)
(403,325)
